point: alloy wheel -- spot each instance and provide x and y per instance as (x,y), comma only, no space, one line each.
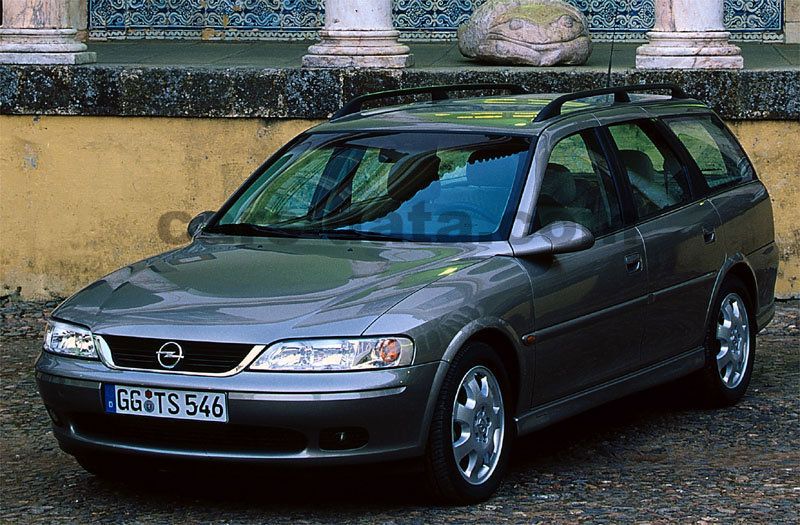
(733,334)
(478,425)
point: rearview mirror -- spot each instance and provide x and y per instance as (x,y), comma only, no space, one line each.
(557,237)
(196,224)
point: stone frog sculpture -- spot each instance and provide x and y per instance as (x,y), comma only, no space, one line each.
(528,32)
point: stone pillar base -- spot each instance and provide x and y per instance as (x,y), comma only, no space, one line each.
(361,61)
(43,46)
(689,50)
(363,49)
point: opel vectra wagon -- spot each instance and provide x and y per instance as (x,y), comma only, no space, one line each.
(429,280)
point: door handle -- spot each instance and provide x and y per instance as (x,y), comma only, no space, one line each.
(633,262)
(709,235)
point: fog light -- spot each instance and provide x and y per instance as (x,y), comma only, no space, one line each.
(345,438)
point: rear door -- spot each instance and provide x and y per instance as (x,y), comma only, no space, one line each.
(589,305)
(730,183)
(680,237)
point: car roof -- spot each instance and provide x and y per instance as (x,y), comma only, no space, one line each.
(499,114)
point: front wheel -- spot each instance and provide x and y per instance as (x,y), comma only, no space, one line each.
(471,431)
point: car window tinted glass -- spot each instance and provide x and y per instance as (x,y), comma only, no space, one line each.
(657,177)
(719,157)
(577,187)
(414,186)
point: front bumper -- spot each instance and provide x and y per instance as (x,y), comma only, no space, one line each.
(390,409)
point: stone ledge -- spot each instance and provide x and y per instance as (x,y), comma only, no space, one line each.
(198,91)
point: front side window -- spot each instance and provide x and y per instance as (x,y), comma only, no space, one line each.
(409,186)
(577,187)
(658,179)
(717,154)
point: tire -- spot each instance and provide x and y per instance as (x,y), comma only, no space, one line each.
(730,346)
(452,480)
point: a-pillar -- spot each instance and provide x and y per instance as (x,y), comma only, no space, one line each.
(689,34)
(358,34)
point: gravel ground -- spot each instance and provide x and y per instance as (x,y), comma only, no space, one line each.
(649,458)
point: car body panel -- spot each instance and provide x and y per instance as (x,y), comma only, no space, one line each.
(681,267)
(259,290)
(589,315)
(746,214)
(388,404)
(494,294)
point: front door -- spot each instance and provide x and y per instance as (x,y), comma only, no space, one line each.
(589,305)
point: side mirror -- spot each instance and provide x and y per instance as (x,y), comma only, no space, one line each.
(557,237)
(196,224)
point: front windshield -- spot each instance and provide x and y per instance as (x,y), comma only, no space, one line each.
(403,186)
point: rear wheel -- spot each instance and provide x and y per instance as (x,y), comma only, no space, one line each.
(730,345)
(471,431)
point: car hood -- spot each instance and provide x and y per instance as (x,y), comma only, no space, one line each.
(255,291)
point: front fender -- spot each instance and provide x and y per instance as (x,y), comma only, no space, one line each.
(494,294)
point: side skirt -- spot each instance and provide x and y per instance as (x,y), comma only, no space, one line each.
(656,374)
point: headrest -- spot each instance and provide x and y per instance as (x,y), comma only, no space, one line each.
(558,184)
(492,167)
(638,162)
(410,176)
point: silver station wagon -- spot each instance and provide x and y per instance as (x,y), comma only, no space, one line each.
(429,280)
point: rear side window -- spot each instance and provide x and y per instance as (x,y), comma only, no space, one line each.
(657,177)
(716,153)
(577,187)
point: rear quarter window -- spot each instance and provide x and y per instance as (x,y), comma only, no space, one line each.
(720,159)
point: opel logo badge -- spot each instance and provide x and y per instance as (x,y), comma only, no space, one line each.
(169,355)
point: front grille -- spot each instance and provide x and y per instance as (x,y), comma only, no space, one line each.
(187,435)
(202,357)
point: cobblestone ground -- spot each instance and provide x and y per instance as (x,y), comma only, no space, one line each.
(652,457)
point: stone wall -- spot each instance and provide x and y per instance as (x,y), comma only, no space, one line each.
(84,195)
(181,91)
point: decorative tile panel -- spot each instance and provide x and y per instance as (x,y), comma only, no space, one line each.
(416,19)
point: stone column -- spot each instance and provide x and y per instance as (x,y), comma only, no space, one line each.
(358,33)
(39,32)
(791,22)
(689,34)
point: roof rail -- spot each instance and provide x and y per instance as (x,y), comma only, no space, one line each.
(436,92)
(553,109)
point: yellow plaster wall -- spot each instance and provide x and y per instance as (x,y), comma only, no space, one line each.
(774,148)
(81,196)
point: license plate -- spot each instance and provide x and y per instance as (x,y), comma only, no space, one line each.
(159,402)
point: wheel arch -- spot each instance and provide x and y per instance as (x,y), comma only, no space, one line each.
(503,346)
(506,342)
(737,266)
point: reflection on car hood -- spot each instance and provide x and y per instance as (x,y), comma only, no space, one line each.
(259,290)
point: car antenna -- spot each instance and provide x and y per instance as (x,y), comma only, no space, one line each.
(613,40)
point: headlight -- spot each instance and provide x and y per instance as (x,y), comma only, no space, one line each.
(336,354)
(71,340)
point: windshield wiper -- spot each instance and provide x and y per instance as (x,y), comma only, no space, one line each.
(349,233)
(254,230)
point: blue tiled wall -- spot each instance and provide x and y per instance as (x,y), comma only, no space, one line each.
(423,19)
